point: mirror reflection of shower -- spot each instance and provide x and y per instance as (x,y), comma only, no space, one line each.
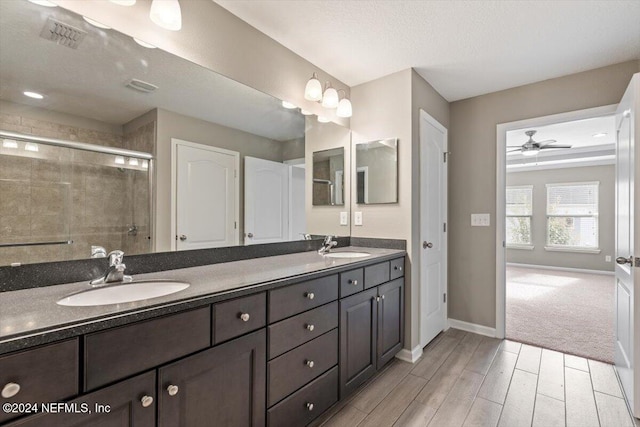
(328,177)
(329,185)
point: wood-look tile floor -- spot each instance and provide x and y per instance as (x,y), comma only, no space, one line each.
(464,379)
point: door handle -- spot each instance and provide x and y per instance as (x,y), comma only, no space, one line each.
(622,260)
(427,245)
(250,235)
(183,237)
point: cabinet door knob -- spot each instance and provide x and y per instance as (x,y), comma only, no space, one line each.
(172,390)
(310,295)
(397,268)
(10,390)
(310,363)
(377,299)
(146,401)
(309,406)
(310,328)
(245,317)
(353,282)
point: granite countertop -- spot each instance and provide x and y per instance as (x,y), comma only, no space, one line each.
(31,316)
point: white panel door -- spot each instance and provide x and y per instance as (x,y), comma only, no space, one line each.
(206,196)
(433,214)
(297,215)
(627,351)
(266,201)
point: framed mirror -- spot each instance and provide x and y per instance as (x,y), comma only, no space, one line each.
(376,174)
(328,177)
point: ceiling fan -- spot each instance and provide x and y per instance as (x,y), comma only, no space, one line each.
(531,147)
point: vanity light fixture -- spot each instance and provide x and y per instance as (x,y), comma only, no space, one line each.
(305,112)
(288,105)
(166,14)
(9,143)
(45,3)
(344,106)
(144,44)
(330,97)
(124,2)
(119,160)
(96,23)
(313,90)
(34,95)
(323,119)
(30,146)
(133,161)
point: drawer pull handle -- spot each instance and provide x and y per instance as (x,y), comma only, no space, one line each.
(310,363)
(397,268)
(310,295)
(146,401)
(309,406)
(245,317)
(10,390)
(310,328)
(172,390)
(353,282)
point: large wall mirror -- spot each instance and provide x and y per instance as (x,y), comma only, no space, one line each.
(376,172)
(188,158)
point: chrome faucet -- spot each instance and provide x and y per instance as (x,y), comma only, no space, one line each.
(327,244)
(115,272)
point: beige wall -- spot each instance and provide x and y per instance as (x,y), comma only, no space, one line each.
(218,40)
(472,173)
(390,108)
(173,125)
(606,217)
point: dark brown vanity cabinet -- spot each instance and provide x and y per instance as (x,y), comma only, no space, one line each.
(371,327)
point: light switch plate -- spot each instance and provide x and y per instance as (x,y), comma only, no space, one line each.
(357,218)
(344,218)
(480,220)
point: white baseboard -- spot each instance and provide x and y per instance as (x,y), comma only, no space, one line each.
(472,327)
(551,267)
(410,356)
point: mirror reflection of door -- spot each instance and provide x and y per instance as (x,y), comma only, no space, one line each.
(205,199)
(362,185)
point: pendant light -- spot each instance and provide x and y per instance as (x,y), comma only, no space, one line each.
(313,90)
(344,107)
(330,97)
(166,14)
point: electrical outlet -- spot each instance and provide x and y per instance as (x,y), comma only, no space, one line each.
(357,218)
(480,220)
(344,218)
(607,258)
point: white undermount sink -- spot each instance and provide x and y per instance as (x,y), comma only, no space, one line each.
(126,292)
(347,254)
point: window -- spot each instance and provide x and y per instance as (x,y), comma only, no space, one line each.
(572,215)
(519,211)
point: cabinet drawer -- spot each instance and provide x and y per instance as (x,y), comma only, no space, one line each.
(294,369)
(117,353)
(294,299)
(351,282)
(397,268)
(290,333)
(376,274)
(304,406)
(239,316)
(44,374)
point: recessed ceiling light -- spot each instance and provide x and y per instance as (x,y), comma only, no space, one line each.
(599,135)
(144,44)
(45,3)
(34,95)
(96,23)
(9,143)
(288,105)
(30,146)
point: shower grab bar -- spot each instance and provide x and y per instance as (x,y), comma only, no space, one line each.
(77,145)
(12,245)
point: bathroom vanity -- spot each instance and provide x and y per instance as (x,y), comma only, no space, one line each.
(271,341)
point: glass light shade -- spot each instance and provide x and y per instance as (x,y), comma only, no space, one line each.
(124,2)
(330,98)
(45,3)
(96,23)
(166,14)
(323,119)
(530,153)
(288,105)
(313,90)
(344,108)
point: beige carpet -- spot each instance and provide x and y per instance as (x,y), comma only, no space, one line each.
(564,311)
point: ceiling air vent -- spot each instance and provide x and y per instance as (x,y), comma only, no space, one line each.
(141,86)
(62,34)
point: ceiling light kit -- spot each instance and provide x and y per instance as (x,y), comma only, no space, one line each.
(531,147)
(329,98)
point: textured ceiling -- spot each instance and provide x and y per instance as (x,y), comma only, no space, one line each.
(463,48)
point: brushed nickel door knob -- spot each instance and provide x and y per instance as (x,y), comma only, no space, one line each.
(622,260)
(183,237)
(427,245)
(250,235)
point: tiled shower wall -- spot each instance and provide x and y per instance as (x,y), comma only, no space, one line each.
(60,194)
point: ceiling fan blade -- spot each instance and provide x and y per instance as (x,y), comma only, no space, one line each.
(513,151)
(555,146)
(513,146)
(545,142)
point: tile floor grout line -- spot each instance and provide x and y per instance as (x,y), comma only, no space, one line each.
(593,392)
